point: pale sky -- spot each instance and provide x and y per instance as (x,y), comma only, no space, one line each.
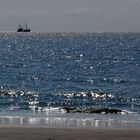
(71,15)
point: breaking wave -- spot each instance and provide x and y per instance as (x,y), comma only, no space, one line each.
(84,102)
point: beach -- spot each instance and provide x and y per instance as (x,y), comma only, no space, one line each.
(40,133)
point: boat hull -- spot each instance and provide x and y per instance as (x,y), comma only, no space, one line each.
(23,30)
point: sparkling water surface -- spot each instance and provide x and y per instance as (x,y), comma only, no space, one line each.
(40,73)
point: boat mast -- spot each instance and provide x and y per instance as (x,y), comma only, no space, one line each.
(26,27)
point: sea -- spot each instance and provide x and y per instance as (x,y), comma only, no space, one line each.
(43,73)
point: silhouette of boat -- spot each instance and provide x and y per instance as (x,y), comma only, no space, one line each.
(23,28)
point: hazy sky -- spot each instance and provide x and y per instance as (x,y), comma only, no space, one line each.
(71,15)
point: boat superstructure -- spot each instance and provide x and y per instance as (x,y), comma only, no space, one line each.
(24,28)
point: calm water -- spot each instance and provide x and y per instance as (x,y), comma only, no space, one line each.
(40,72)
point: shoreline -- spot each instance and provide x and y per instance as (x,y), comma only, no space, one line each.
(95,122)
(37,133)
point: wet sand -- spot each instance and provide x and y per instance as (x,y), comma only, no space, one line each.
(38,133)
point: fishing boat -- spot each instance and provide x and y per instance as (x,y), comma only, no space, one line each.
(23,28)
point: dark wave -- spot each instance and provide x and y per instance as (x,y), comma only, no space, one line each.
(94,110)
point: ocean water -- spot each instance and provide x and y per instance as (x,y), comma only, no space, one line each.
(41,73)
